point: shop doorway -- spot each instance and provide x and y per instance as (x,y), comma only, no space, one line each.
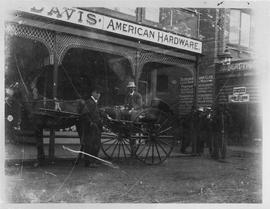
(162,81)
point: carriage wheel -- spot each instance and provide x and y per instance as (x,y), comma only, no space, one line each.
(116,147)
(156,138)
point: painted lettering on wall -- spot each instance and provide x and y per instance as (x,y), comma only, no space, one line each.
(242,66)
(114,25)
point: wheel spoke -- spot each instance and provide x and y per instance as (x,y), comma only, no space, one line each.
(167,129)
(166,143)
(158,152)
(152,145)
(143,147)
(124,150)
(126,145)
(147,153)
(163,148)
(119,145)
(115,141)
(107,140)
(114,148)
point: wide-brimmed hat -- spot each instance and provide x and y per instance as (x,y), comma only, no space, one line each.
(131,84)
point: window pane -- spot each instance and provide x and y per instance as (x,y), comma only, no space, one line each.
(234,26)
(245,30)
(165,17)
(125,10)
(185,22)
(152,14)
(180,21)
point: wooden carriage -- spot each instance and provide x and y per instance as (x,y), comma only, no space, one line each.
(148,134)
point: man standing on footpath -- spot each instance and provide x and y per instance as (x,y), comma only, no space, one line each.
(90,127)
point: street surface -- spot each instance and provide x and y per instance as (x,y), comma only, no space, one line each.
(181,179)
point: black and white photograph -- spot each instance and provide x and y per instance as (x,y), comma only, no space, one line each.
(148,103)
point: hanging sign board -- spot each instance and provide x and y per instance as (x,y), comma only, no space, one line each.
(238,67)
(114,25)
(239,90)
(238,98)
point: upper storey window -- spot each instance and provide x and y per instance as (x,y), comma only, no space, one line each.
(152,14)
(125,10)
(181,21)
(239,28)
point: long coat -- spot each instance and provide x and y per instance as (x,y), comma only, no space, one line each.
(90,128)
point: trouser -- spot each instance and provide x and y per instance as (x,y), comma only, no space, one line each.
(90,139)
(186,140)
(203,138)
(216,142)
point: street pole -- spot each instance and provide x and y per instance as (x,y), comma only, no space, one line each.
(194,134)
(55,85)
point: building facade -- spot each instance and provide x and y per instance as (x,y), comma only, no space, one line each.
(108,46)
(237,83)
(171,53)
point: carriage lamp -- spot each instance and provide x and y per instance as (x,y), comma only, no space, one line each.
(225,58)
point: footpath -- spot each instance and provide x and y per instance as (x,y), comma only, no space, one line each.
(28,151)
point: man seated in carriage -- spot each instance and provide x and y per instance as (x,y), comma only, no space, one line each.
(133,101)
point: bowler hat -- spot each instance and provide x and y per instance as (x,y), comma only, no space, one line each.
(131,84)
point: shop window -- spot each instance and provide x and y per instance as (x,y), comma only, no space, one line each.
(162,83)
(181,21)
(239,28)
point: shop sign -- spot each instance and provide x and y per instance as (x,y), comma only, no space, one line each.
(239,90)
(242,66)
(113,25)
(205,91)
(238,98)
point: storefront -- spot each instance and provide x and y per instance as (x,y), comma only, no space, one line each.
(85,48)
(237,87)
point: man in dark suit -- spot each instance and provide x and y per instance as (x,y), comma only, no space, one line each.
(90,127)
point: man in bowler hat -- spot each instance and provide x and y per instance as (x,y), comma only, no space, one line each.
(90,127)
